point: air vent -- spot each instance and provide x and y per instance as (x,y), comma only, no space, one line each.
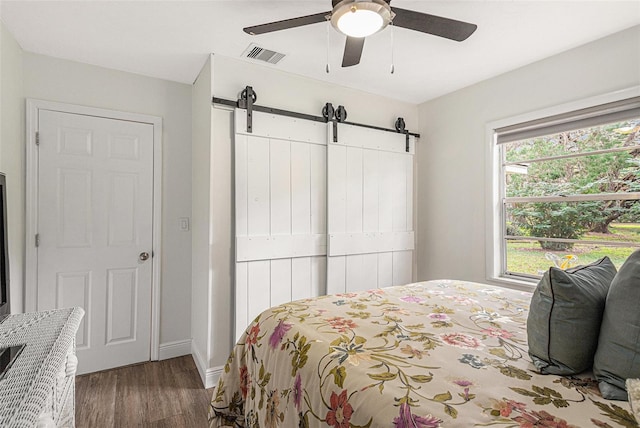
(262,54)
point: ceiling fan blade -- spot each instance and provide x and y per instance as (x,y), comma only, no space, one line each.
(287,23)
(431,24)
(352,51)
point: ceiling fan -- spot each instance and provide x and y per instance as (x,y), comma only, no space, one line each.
(358,19)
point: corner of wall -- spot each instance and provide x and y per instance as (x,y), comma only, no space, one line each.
(12,143)
(208,375)
(201,216)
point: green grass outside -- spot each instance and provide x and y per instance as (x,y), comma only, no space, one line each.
(528,257)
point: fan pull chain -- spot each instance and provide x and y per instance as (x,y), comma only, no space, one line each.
(328,69)
(393,68)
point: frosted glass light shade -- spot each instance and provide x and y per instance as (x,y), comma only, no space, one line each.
(360,23)
(360,18)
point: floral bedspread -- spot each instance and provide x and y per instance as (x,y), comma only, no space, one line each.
(437,353)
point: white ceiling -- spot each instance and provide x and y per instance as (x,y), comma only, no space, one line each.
(171,39)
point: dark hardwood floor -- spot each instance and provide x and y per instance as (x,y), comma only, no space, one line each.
(165,393)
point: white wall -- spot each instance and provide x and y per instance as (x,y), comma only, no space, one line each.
(12,117)
(222,236)
(293,92)
(453,175)
(70,82)
(201,220)
(275,89)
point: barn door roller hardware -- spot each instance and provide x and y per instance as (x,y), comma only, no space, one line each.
(400,127)
(247,101)
(247,97)
(334,115)
(328,112)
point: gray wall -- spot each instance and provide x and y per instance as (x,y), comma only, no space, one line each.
(75,83)
(12,122)
(453,175)
(201,220)
(26,75)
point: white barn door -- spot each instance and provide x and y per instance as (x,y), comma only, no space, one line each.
(370,216)
(280,196)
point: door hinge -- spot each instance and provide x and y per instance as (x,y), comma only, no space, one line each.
(37,240)
(37,138)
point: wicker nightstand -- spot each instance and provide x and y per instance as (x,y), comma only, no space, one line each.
(39,388)
(633,389)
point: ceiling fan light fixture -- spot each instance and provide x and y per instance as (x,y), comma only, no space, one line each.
(355,18)
(360,23)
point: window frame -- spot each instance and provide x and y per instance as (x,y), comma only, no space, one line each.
(495,251)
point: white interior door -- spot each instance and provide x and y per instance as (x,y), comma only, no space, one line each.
(281,207)
(370,216)
(94,222)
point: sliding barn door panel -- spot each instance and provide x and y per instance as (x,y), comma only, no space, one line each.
(281,127)
(281,196)
(314,216)
(370,200)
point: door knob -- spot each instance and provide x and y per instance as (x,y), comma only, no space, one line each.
(144,256)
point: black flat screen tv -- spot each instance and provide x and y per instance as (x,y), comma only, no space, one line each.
(5,307)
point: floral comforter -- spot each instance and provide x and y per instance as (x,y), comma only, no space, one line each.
(436,353)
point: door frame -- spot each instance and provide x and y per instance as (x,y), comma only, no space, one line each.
(33,107)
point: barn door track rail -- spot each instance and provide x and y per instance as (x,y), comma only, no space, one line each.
(248,98)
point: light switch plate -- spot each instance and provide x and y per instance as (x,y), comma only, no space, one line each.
(183,224)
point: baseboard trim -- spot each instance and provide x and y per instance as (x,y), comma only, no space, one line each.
(208,375)
(174,349)
(212,376)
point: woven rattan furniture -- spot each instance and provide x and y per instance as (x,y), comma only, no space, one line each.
(39,389)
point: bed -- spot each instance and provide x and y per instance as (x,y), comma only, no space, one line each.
(436,353)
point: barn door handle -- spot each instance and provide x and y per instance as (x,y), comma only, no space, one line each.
(144,256)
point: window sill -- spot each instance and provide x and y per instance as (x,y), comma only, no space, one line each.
(513,283)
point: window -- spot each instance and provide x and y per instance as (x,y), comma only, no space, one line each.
(568,189)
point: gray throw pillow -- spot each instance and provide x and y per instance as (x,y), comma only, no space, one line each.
(618,354)
(565,315)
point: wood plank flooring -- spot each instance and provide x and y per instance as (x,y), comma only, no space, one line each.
(156,394)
